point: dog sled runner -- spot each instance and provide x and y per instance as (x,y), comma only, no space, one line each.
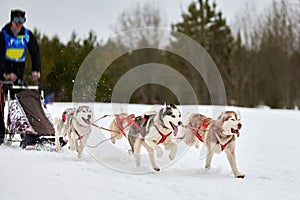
(28,116)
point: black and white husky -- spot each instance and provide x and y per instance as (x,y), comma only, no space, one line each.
(150,130)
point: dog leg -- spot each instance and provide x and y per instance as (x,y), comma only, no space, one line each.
(113,139)
(230,152)
(151,156)
(71,143)
(159,152)
(57,142)
(209,156)
(155,147)
(57,128)
(137,150)
(173,149)
(79,147)
(82,144)
(197,144)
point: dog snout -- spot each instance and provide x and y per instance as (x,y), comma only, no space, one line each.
(89,116)
(179,123)
(239,125)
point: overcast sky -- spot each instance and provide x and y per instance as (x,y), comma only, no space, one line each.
(62,17)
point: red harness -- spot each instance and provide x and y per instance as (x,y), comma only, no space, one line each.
(128,120)
(79,136)
(223,146)
(136,124)
(195,132)
(163,136)
(64,118)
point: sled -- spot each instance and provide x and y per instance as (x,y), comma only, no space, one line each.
(27,116)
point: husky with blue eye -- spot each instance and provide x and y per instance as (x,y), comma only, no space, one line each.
(153,129)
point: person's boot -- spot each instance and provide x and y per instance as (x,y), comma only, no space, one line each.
(1,140)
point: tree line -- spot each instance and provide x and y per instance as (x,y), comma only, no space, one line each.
(259,60)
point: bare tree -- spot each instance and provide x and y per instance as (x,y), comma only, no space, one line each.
(138,27)
(272,42)
(140,16)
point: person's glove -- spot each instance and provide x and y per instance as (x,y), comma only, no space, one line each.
(11,77)
(35,76)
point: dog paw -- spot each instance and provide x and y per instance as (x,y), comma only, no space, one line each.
(130,151)
(113,140)
(71,148)
(172,155)
(240,176)
(156,169)
(173,152)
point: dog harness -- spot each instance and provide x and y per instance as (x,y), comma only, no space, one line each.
(64,118)
(134,122)
(163,136)
(224,145)
(15,46)
(79,136)
(195,132)
(128,120)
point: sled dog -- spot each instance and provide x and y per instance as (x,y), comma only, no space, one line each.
(217,135)
(153,129)
(76,123)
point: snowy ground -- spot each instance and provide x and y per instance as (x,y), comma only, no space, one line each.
(267,152)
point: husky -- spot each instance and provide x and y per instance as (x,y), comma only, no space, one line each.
(76,123)
(217,135)
(152,129)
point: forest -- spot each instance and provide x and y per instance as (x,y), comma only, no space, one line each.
(258,57)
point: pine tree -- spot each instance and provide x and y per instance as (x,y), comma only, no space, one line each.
(208,27)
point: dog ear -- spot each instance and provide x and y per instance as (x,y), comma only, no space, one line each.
(222,117)
(172,105)
(79,108)
(169,111)
(239,115)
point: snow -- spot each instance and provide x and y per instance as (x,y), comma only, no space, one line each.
(267,152)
